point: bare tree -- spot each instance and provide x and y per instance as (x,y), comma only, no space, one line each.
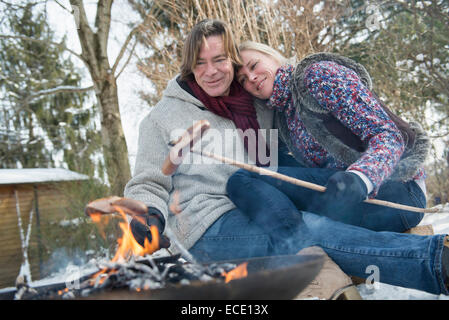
(104,77)
(295,27)
(94,55)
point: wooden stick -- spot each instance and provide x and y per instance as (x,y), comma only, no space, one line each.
(306,184)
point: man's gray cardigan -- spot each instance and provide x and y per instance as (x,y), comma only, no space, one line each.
(201,185)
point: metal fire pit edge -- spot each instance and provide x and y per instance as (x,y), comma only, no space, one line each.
(269,278)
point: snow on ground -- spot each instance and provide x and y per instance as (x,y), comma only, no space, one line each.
(382,291)
(439,221)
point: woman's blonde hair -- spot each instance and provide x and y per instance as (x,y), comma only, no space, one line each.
(265,49)
(197,36)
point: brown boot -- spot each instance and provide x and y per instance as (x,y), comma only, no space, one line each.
(424,230)
(331,283)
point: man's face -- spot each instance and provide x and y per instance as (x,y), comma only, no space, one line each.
(213,71)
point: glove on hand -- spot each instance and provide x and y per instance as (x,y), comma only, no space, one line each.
(140,231)
(343,191)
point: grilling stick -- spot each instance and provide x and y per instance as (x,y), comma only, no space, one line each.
(194,133)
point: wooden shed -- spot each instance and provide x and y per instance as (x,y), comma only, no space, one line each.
(28,195)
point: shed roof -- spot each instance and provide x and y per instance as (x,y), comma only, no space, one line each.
(38,175)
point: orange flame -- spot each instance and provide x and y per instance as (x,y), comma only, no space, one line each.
(93,279)
(60,292)
(101,221)
(238,272)
(128,246)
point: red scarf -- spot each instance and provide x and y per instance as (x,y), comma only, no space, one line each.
(238,106)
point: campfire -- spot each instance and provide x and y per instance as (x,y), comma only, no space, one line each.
(139,272)
(133,267)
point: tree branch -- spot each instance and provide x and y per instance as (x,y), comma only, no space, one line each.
(63,7)
(5,36)
(123,48)
(129,58)
(55,90)
(20,6)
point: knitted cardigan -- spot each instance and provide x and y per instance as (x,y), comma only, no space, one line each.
(313,91)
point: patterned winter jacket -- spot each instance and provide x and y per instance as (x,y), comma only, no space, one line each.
(324,87)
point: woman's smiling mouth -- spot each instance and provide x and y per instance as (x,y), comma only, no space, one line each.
(259,86)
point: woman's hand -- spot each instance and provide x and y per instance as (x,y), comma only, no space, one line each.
(344,190)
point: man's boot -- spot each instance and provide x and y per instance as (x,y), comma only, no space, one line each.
(331,283)
(424,230)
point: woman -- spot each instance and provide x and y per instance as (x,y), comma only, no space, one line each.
(341,135)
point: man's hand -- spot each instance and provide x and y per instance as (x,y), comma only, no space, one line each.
(141,231)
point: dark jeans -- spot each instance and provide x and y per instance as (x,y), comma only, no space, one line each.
(370,216)
(405,260)
(266,222)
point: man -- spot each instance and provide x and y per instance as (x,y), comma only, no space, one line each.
(205,89)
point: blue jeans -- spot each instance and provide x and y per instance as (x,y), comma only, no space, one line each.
(370,216)
(406,260)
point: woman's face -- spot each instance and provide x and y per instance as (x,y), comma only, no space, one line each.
(258,73)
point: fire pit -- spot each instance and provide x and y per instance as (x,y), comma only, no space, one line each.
(269,278)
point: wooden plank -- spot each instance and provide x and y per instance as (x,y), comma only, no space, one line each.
(52,204)
(11,246)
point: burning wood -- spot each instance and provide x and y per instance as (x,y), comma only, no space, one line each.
(139,274)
